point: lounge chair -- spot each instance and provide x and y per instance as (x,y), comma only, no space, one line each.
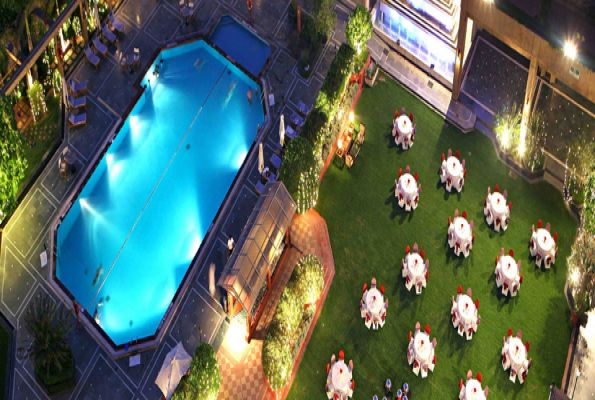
(99,46)
(108,35)
(76,102)
(296,120)
(115,24)
(276,161)
(303,108)
(290,132)
(91,57)
(75,120)
(77,88)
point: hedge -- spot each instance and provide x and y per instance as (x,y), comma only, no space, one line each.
(299,172)
(291,320)
(336,80)
(203,380)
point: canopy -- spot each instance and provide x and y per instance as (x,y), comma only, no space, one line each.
(175,366)
(259,247)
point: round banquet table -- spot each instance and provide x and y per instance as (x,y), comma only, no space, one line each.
(340,376)
(473,390)
(415,267)
(467,310)
(404,125)
(408,185)
(422,347)
(454,169)
(509,269)
(374,301)
(545,242)
(462,228)
(517,353)
(497,204)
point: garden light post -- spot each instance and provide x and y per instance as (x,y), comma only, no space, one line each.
(578,375)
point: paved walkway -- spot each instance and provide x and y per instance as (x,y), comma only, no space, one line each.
(148,24)
(243,377)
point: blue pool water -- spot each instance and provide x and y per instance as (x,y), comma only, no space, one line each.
(132,232)
(241,44)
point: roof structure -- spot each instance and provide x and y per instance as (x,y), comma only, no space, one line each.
(259,246)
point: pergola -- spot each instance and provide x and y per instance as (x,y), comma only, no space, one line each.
(249,271)
(53,31)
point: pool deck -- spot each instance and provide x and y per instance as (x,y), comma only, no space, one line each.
(149,24)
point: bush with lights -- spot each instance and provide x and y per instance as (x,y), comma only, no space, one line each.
(37,100)
(588,215)
(309,279)
(300,172)
(581,274)
(291,321)
(523,144)
(203,380)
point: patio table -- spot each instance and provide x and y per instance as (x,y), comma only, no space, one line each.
(545,242)
(509,270)
(423,349)
(467,311)
(453,170)
(407,187)
(517,354)
(496,204)
(374,302)
(414,268)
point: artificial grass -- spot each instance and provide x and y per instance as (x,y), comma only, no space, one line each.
(369,233)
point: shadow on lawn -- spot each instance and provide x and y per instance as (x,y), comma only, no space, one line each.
(396,210)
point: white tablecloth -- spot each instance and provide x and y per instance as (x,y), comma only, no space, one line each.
(497,205)
(404,127)
(516,353)
(423,349)
(507,266)
(462,230)
(472,391)
(545,242)
(467,311)
(453,169)
(415,267)
(340,377)
(407,186)
(374,302)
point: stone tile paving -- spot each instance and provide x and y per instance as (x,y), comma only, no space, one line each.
(147,24)
(494,79)
(243,378)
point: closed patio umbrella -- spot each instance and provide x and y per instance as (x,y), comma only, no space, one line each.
(175,366)
(260,158)
(282,130)
(65,93)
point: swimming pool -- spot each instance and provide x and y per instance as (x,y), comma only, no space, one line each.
(132,232)
(240,44)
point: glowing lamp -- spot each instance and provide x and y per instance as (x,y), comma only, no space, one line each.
(570,49)
(351,117)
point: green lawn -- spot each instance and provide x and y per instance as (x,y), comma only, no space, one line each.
(368,235)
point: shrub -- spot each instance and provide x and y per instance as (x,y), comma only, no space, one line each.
(581,270)
(308,279)
(338,75)
(203,380)
(299,172)
(277,361)
(588,215)
(291,320)
(37,100)
(359,29)
(315,122)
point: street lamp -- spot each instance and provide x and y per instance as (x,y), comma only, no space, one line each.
(578,375)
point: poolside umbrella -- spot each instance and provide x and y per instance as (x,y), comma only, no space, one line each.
(64,92)
(175,366)
(282,130)
(260,158)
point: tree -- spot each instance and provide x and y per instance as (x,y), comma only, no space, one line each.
(204,379)
(325,17)
(49,325)
(12,160)
(588,215)
(359,29)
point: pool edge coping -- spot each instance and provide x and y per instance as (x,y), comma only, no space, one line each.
(153,341)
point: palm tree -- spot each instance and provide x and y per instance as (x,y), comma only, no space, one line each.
(49,326)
